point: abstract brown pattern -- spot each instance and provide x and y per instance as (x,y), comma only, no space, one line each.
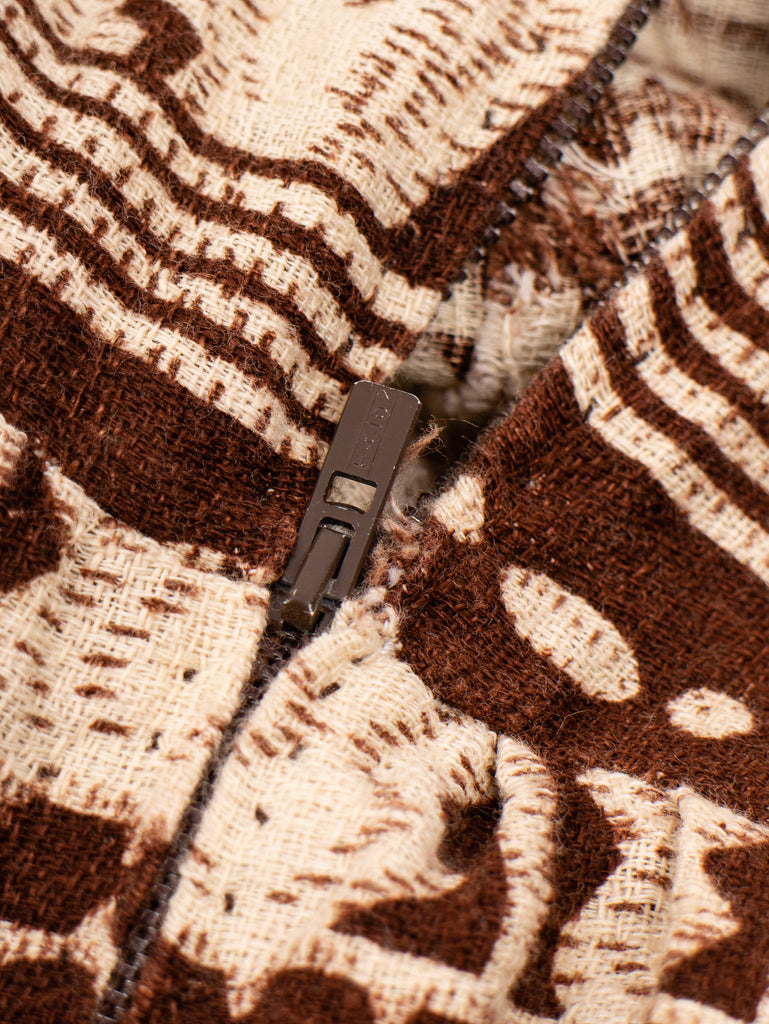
(236,293)
(523,776)
(189,289)
(622,587)
(392,832)
(98,624)
(604,587)
(649,143)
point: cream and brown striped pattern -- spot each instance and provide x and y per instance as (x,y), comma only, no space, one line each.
(213,219)
(523,777)
(595,584)
(224,265)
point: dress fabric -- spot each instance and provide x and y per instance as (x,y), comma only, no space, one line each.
(521,778)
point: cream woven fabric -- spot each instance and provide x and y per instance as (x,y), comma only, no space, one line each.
(522,778)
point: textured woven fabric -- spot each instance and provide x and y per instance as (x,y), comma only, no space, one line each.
(522,777)
(651,142)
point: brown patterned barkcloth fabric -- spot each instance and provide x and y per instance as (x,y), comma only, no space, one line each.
(523,777)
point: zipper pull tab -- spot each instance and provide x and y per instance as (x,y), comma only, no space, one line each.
(339,525)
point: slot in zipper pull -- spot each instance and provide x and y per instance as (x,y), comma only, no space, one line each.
(339,525)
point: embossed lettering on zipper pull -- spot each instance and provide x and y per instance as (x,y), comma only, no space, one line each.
(339,525)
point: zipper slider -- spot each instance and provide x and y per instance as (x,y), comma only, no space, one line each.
(339,525)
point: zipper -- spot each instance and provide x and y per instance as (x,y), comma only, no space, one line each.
(340,522)
(334,538)
(585,92)
(682,215)
(339,525)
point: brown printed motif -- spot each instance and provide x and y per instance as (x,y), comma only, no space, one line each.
(232,276)
(646,147)
(31,530)
(524,781)
(425,839)
(46,990)
(97,625)
(188,290)
(599,609)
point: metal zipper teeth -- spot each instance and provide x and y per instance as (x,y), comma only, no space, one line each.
(278,645)
(586,92)
(682,215)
